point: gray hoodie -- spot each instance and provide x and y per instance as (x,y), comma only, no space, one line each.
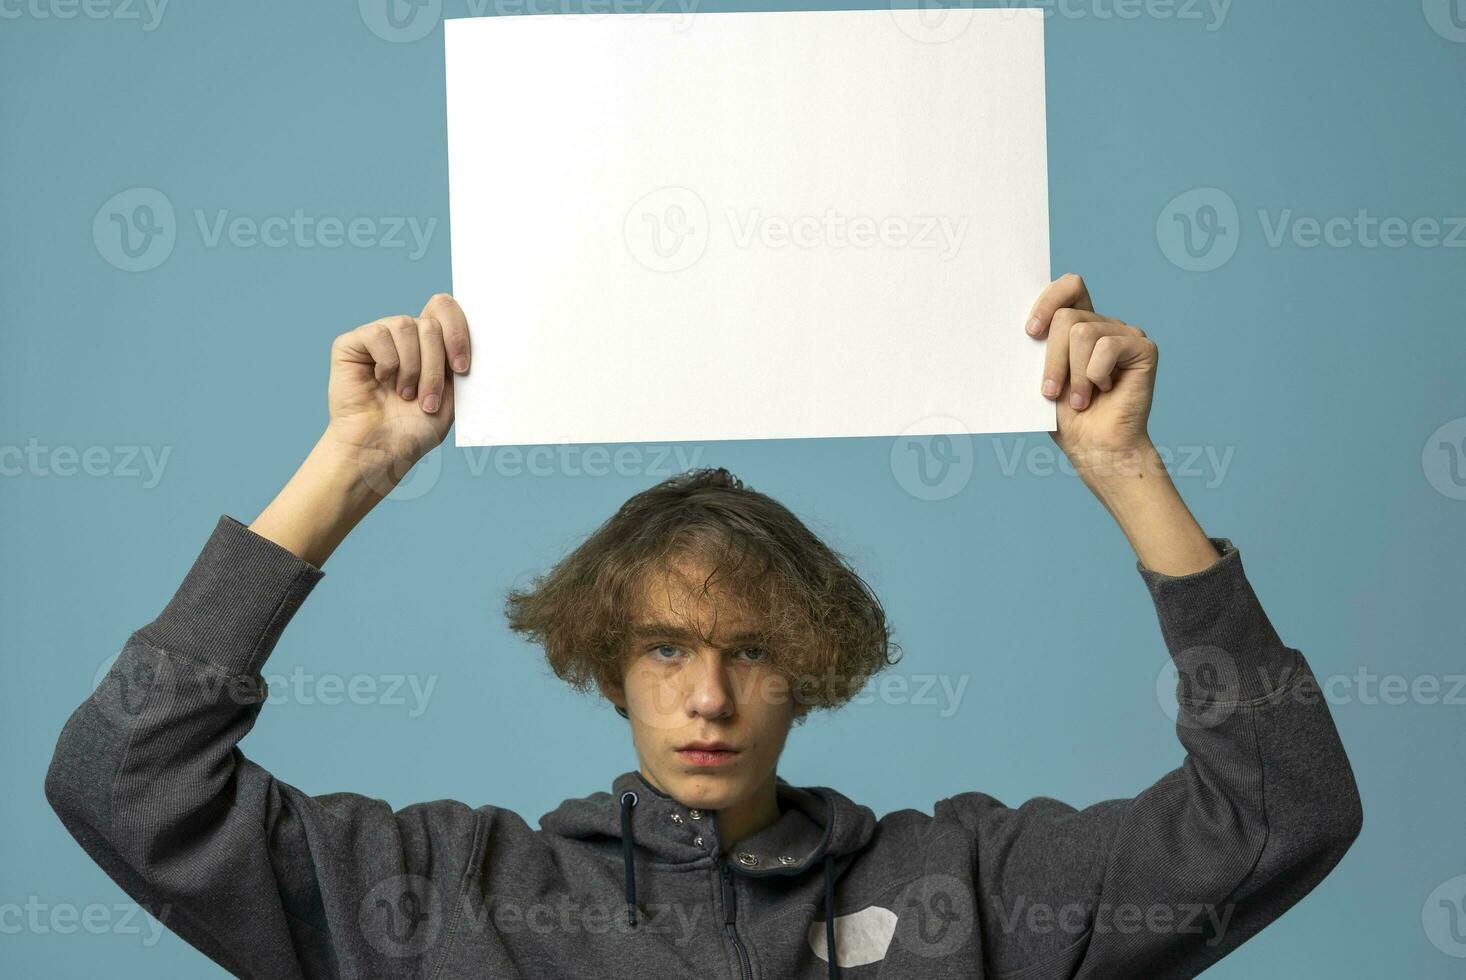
(271,882)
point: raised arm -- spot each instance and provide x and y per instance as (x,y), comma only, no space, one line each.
(1264,805)
(147,776)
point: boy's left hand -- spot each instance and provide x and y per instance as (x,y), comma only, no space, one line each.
(1100,370)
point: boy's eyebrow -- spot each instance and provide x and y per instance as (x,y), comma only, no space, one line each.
(650,630)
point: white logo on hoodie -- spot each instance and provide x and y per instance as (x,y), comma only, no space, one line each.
(860,937)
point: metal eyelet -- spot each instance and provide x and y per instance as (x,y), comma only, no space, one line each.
(631,794)
(746,859)
(695,814)
(697,841)
(786,859)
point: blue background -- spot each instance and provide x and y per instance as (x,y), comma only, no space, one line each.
(1322,370)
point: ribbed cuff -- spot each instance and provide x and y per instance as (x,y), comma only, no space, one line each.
(240,594)
(1217,632)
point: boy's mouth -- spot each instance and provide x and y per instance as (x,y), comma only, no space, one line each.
(707,755)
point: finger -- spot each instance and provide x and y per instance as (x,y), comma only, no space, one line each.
(1117,351)
(446,408)
(456,342)
(404,335)
(1056,354)
(430,345)
(1068,290)
(371,343)
(1083,338)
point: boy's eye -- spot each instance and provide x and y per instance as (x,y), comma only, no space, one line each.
(667,651)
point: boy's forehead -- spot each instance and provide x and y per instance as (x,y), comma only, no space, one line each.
(676,596)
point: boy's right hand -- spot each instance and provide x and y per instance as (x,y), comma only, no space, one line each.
(390,392)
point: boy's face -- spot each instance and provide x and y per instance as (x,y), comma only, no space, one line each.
(693,676)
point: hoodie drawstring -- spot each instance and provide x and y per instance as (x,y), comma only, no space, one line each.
(628,844)
(628,847)
(830,916)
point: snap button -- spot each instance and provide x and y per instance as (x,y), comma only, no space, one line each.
(695,814)
(697,841)
(676,818)
(746,859)
(785,859)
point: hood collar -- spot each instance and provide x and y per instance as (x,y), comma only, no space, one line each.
(816,826)
(815,822)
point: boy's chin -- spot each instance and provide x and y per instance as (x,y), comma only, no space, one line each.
(707,791)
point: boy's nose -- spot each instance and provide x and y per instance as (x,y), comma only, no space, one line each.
(710,695)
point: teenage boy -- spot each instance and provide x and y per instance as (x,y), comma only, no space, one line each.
(714,621)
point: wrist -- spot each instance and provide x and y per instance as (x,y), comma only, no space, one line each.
(349,478)
(322,502)
(1134,486)
(1118,469)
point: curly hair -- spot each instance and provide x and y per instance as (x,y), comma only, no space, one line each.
(821,625)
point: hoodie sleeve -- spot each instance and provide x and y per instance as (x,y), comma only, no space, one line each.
(263,879)
(1163,885)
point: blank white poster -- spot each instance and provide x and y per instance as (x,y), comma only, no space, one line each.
(748,225)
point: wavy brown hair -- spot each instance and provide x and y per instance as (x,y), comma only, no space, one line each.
(818,621)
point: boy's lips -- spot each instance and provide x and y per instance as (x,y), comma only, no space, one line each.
(707,754)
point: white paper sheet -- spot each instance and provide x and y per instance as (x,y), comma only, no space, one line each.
(748,225)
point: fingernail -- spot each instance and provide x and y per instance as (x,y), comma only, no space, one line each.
(1032,327)
(430,403)
(1077,400)
(410,392)
(1051,387)
(460,364)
